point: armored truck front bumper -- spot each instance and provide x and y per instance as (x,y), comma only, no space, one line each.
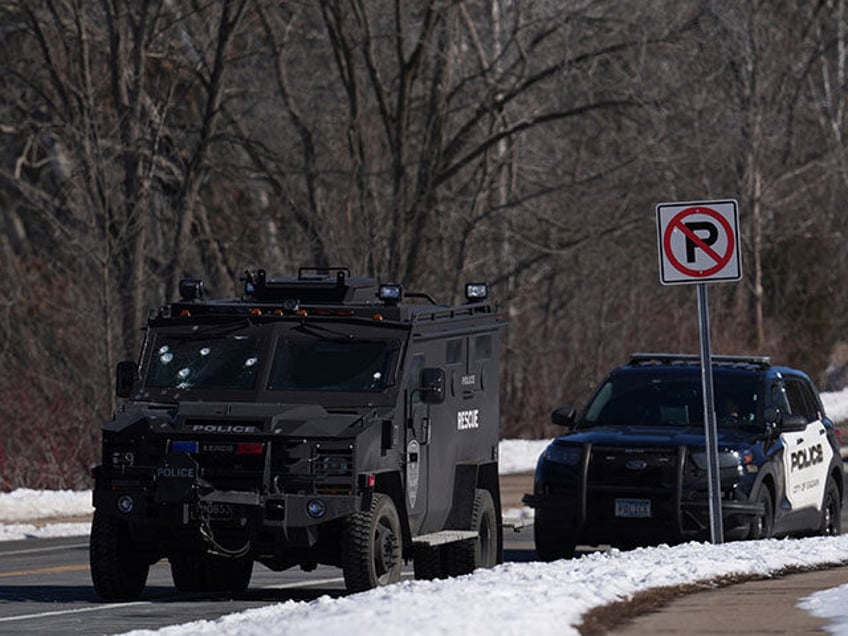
(185,499)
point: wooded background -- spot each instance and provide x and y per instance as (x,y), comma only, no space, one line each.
(525,143)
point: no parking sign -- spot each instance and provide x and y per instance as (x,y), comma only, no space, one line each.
(698,242)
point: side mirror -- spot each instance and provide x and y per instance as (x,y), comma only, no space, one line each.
(778,422)
(125,377)
(432,386)
(563,416)
(793,423)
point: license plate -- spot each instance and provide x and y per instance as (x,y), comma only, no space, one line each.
(633,508)
(218,511)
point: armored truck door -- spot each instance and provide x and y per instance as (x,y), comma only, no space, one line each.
(417,447)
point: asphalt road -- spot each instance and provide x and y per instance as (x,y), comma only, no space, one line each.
(45,587)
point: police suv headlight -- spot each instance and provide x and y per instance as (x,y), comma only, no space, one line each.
(568,455)
(726,459)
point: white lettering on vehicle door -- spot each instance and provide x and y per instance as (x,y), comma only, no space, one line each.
(806,458)
(467,419)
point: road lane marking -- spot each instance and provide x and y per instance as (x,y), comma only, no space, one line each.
(53,570)
(50,549)
(23,617)
(286,586)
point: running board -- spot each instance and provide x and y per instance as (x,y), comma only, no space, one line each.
(445,536)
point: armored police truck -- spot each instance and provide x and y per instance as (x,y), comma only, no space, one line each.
(318,419)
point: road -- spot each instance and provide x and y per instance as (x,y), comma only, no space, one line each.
(45,587)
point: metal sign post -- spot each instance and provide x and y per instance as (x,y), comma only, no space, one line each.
(699,243)
(710,427)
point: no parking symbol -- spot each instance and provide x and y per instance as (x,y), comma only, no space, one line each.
(698,242)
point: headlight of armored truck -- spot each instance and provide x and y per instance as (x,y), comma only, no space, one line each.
(568,455)
(122,458)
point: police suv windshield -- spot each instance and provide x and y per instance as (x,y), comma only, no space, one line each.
(671,399)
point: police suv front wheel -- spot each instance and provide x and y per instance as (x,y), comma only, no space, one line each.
(763,526)
(371,546)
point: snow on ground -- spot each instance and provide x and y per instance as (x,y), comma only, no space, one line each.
(517,598)
(514,598)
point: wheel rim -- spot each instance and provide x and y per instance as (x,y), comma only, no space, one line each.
(385,545)
(486,544)
(830,513)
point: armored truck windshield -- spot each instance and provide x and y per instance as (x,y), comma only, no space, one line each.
(305,357)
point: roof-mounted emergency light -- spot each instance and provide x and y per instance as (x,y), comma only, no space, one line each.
(191,288)
(390,293)
(476,291)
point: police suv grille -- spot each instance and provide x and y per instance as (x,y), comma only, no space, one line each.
(632,473)
(633,468)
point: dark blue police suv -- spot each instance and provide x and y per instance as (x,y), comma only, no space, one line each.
(632,470)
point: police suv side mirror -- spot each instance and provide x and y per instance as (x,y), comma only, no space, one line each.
(431,386)
(125,377)
(777,422)
(563,416)
(793,423)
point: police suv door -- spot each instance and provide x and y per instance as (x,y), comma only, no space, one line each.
(806,454)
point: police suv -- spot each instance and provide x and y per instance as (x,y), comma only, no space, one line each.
(317,419)
(633,468)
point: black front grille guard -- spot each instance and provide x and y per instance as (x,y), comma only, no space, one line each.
(560,501)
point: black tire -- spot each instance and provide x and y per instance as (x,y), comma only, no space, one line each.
(831,521)
(554,539)
(200,572)
(463,557)
(117,572)
(763,527)
(371,546)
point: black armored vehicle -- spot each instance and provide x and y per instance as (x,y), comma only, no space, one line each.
(317,419)
(633,468)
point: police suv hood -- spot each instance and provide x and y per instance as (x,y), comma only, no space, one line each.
(241,418)
(654,436)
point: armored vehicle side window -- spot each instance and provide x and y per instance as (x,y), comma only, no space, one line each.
(230,362)
(483,347)
(328,365)
(454,351)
